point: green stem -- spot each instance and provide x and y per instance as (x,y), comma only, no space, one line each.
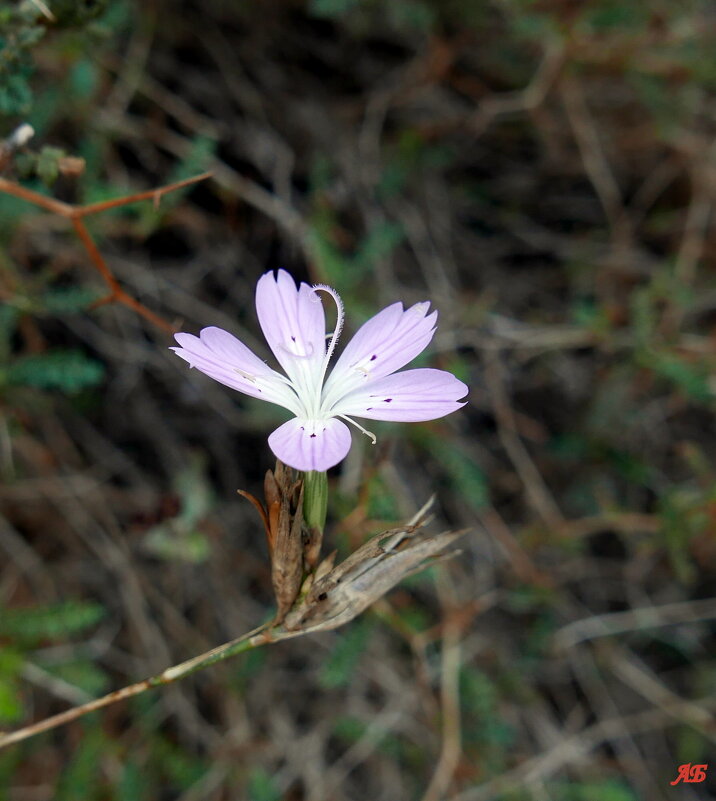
(315,500)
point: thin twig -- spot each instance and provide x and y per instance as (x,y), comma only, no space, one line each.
(646,617)
(76,215)
(536,489)
(451,749)
(595,162)
(253,639)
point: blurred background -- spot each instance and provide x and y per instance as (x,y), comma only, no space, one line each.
(543,171)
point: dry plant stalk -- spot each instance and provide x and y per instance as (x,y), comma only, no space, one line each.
(332,597)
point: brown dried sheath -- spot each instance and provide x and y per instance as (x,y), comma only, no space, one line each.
(286,544)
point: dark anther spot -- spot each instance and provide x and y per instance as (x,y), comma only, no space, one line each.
(312,436)
(373,357)
(369,408)
(388,400)
(302,428)
(293,338)
(323,596)
(324,428)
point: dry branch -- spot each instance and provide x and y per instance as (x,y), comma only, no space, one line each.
(77,214)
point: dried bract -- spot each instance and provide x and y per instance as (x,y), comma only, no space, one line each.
(375,568)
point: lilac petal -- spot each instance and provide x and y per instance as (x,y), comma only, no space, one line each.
(410,396)
(294,324)
(223,357)
(311,444)
(382,345)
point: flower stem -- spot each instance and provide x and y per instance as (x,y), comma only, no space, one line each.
(315,500)
(315,504)
(263,635)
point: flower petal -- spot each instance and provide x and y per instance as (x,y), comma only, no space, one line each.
(294,324)
(223,357)
(311,444)
(382,345)
(410,396)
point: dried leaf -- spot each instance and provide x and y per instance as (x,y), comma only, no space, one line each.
(368,574)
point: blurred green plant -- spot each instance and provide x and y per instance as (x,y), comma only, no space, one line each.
(22,26)
(344,659)
(29,625)
(81,777)
(24,629)
(67,370)
(180,538)
(402,14)
(20,31)
(262,786)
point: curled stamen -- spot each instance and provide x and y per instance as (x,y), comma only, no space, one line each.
(334,336)
(359,427)
(339,320)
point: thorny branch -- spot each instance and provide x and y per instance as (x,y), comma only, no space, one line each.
(76,215)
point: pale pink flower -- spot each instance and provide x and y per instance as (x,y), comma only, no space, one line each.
(362,383)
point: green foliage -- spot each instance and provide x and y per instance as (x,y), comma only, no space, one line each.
(63,301)
(29,624)
(22,26)
(247,668)
(181,768)
(600,790)
(610,15)
(75,13)
(82,777)
(20,31)
(10,761)
(333,8)
(345,657)
(402,14)
(45,164)
(262,786)
(468,478)
(133,784)
(691,745)
(408,160)
(483,726)
(351,729)
(180,538)
(11,708)
(691,379)
(8,321)
(685,513)
(81,673)
(382,504)
(66,370)
(344,270)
